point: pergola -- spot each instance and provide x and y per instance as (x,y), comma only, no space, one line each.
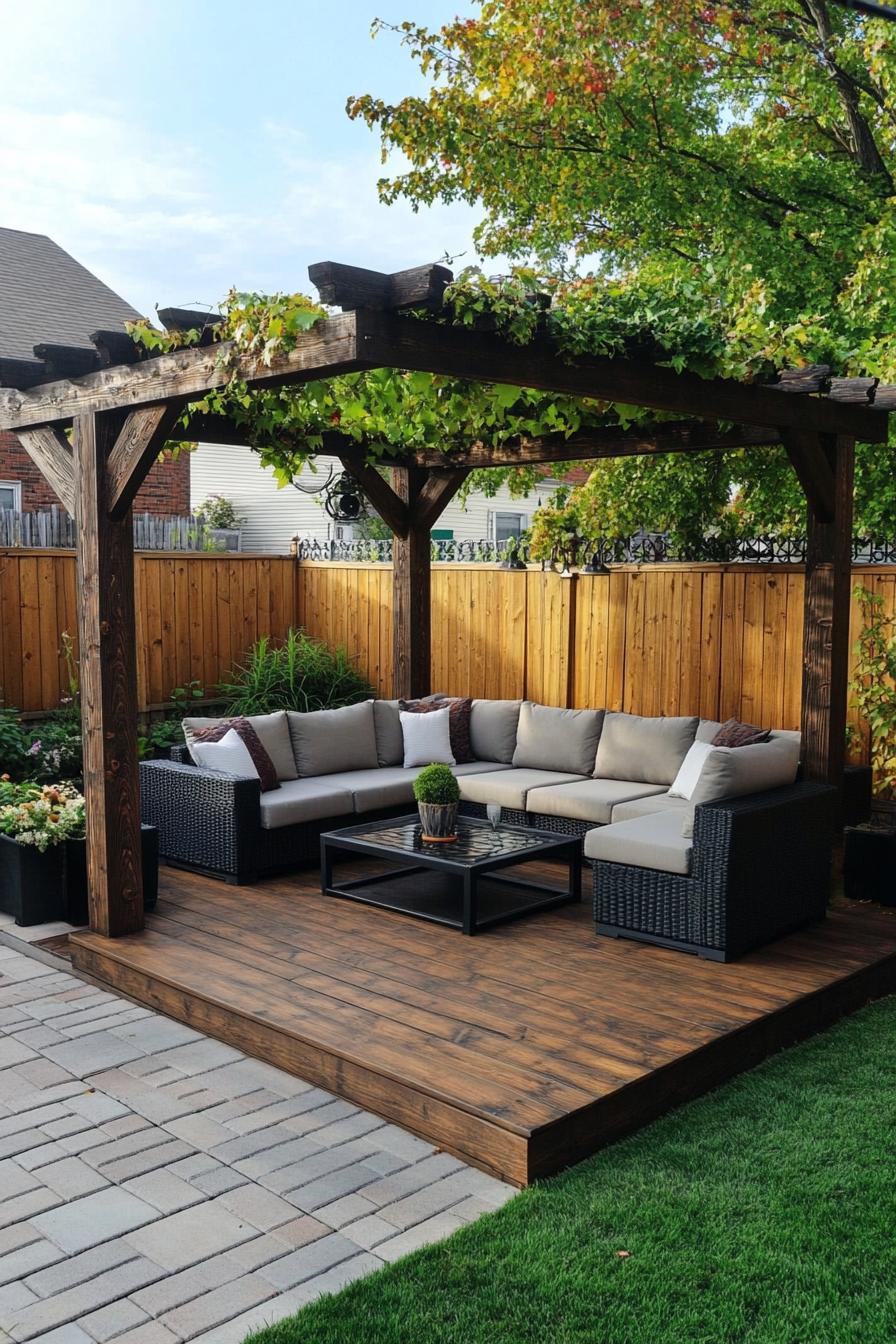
(123,405)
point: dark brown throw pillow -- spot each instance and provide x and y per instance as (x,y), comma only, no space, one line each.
(733,733)
(267,771)
(459,710)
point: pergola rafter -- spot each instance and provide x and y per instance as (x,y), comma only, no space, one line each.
(128,402)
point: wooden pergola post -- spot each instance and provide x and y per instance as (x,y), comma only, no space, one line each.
(108,684)
(411,596)
(827,607)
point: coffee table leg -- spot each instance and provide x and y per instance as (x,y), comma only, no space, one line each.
(326,866)
(575,871)
(471,903)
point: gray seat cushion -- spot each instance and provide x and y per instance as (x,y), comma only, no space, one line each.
(648,749)
(384,786)
(646,807)
(299,800)
(589,800)
(327,741)
(646,842)
(508,788)
(273,733)
(477,768)
(493,727)
(557,739)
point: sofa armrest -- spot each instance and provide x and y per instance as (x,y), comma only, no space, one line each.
(205,819)
(764,860)
(181,755)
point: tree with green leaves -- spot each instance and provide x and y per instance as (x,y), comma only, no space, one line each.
(732,160)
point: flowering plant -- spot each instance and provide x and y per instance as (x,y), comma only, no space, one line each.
(41,816)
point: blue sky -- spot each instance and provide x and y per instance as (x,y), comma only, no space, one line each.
(185,146)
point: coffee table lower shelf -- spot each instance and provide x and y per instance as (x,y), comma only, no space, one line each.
(471,897)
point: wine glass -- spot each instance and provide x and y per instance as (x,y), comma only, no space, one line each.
(493,812)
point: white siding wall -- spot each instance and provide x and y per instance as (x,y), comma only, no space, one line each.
(274,516)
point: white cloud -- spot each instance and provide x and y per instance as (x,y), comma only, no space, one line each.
(154,219)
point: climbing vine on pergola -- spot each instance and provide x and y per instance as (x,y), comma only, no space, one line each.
(483,349)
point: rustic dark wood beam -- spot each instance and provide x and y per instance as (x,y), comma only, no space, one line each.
(826,616)
(813,469)
(143,436)
(66,361)
(350,287)
(51,453)
(437,492)
(116,347)
(21,372)
(858,390)
(108,668)
(811,378)
(411,597)
(330,347)
(390,341)
(187,319)
(391,507)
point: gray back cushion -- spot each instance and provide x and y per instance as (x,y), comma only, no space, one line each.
(643,749)
(706,730)
(493,726)
(557,739)
(273,733)
(387,725)
(328,740)
(731,772)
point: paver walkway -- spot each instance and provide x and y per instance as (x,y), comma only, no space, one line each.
(157,1185)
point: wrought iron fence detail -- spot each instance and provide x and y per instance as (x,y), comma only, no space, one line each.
(644,548)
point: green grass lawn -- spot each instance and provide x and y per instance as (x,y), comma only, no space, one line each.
(763,1213)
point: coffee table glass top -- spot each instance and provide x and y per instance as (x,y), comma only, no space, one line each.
(477,841)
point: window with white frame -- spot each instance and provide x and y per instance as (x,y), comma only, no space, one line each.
(507,525)
(11,495)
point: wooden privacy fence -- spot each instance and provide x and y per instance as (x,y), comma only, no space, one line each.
(715,640)
(665,639)
(196,614)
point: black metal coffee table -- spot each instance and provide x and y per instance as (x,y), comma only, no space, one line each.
(461,883)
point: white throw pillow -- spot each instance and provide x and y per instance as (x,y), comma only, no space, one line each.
(688,776)
(427,738)
(230,754)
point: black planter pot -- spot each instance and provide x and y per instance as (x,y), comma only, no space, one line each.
(76,876)
(869,864)
(32,884)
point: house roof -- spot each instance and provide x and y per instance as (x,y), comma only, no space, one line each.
(48,297)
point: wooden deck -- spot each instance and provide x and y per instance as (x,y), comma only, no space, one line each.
(521,1050)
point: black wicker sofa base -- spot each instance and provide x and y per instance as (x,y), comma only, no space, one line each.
(208,822)
(761,867)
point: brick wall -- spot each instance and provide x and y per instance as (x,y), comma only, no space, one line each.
(166,489)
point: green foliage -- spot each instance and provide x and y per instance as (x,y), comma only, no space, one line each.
(217,511)
(873,687)
(13,744)
(436,784)
(300,673)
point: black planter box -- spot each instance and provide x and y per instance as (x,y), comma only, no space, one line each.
(32,884)
(856,794)
(869,864)
(76,866)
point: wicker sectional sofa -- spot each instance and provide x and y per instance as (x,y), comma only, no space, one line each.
(714,877)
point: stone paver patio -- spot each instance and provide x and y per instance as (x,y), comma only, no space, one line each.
(157,1185)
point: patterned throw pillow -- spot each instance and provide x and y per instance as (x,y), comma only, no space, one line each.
(459,710)
(733,733)
(267,771)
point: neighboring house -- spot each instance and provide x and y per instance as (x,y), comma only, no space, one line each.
(273,516)
(48,298)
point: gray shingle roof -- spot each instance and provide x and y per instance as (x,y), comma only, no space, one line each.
(47,296)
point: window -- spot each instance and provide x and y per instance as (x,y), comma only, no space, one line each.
(509,525)
(11,495)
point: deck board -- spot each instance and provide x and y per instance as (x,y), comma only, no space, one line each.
(521,1050)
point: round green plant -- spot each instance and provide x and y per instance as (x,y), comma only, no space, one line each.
(436,784)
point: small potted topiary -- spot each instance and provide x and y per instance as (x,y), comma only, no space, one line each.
(438,795)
